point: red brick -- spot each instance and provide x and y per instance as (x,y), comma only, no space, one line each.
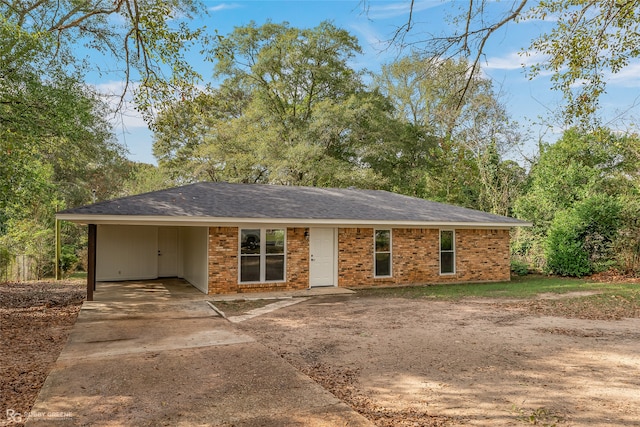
(481,255)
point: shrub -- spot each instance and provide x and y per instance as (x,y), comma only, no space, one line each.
(580,239)
(627,242)
(68,259)
(519,268)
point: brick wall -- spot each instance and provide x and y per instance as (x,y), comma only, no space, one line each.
(223,263)
(223,260)
(355,256)
(481,255)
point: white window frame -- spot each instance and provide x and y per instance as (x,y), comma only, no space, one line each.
(452,251)
(390,252)
(263,255)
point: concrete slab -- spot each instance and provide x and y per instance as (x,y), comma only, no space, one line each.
(311,292)
(176,362)
(103,330)
(282,303)
(165,289)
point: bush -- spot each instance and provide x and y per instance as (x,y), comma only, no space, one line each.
(627,242)
(68,259)
(580,239)
(519,268)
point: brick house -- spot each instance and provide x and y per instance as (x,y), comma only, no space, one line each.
(234,238)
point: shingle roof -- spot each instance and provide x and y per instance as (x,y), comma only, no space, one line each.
(263,202)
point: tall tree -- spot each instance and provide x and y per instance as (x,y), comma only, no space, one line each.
(290,110)
(55,149)
(566,184)
(451,143)
(588,40)
(146,39)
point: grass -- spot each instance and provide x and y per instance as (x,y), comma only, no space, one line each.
(522,287)
(606,301)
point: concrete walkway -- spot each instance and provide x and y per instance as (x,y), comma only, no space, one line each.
(169,359)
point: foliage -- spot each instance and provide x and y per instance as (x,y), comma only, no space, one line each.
(5,263)
(146,39)
(580,239)
(565,252)
(290,110)
(588,41)
(626,246)
(68,259)
(55,149)
(450,149)
(577,167)
(143,178)
(519,268)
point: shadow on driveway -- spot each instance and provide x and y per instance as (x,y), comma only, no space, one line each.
(174,361)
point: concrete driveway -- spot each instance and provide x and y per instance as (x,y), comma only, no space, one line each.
(157,354)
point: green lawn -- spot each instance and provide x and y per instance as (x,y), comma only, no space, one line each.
(604,301)
(519,287)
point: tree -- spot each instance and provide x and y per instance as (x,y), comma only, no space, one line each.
(146,39)
(144,178)
(447,145)
(588,40)
(581,238)
(290,110)
(563,186)
(576,167)
(56,147)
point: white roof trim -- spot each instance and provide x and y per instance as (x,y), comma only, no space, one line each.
(301,222)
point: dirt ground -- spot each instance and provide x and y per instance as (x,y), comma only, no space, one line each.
(35,321)
(399,362)
(473,362)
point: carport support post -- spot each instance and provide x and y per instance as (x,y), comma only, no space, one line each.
(91,262)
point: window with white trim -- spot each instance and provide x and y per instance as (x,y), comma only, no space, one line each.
(447,252)
(262,255)
(382,253)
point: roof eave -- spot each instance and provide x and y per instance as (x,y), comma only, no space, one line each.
(301,222)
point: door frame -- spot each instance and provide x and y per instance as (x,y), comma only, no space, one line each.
(174,262)
(335,257)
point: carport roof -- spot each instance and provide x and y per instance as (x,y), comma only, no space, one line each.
(219,202)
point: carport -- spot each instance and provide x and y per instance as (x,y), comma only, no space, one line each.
(129,252)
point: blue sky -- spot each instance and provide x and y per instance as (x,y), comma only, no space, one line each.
(527,100)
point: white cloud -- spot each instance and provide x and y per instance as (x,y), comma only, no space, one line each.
(391,10)
(629,76)
(127,117)
(369,34)
(224,6)
(513,61)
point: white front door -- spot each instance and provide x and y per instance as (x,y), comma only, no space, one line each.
(322,260)
(167,251)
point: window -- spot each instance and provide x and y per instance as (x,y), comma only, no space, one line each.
(262,254)
(382,253)
(447,252)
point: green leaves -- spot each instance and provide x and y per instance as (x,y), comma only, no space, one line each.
(290,111)
(590,40)
(580,199)
(580,239)
(447,148)
(147,40)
